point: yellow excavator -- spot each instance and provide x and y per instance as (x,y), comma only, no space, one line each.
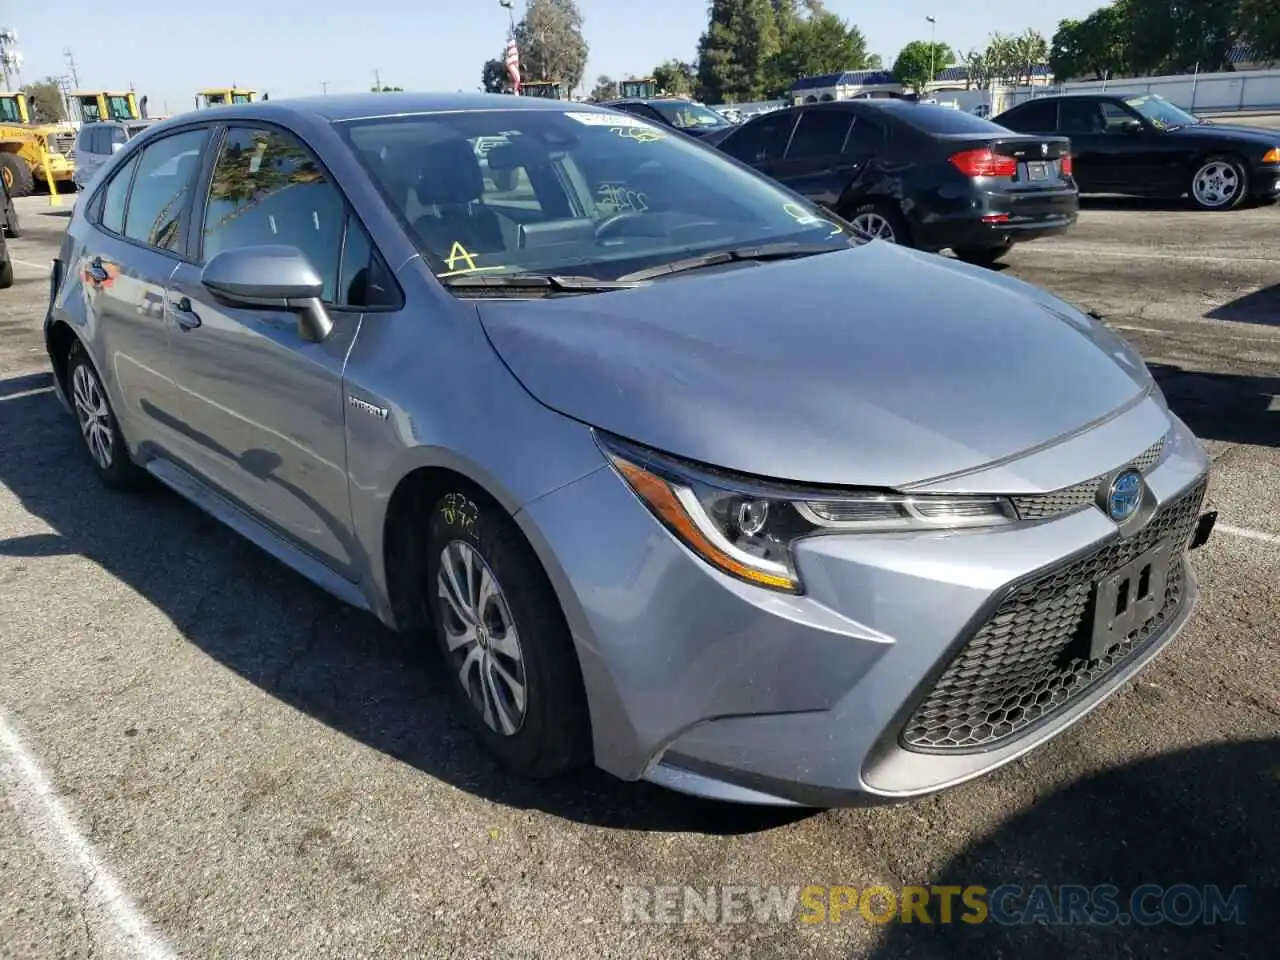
(223,95)
(28,150)
(96,105)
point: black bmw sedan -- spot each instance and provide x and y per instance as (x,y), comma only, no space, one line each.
(1147,146)
(916,174)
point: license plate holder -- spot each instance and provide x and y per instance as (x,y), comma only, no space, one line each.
(1037,170)
(1128,597)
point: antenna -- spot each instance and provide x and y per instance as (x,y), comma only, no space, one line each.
(71,66)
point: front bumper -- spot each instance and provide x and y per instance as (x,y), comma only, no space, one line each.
(717,688)
(1265,182)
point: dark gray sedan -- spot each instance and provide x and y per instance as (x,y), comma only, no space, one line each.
(675,475)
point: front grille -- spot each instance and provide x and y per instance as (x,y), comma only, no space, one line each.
(1031,658)
(1046,506)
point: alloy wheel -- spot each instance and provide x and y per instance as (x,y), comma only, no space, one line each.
(481,637)
(94,415)
(872,226)
(1216,184)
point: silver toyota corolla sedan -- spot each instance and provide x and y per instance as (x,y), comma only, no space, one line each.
(679,478)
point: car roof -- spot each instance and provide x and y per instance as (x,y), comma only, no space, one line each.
(646,100)
(1074,96)
(337,108)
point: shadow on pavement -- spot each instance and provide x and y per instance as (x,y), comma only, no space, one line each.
(1260,307)
(1204,817)
(1137,204)
(259,619)
(1223,406)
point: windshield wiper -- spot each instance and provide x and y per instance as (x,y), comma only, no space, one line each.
(552,283)
(760,252)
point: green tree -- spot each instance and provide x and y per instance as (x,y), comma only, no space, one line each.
(1260,27)
(552,46)
(494,76)
(44,100)
(1029,51)
(874,62)
(1177,37)
(385,89)
(1094,48)
(605,88)
(820,43)
(917,59)
(733,54)
(676,77)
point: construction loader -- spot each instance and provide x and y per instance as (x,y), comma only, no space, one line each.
(31,153)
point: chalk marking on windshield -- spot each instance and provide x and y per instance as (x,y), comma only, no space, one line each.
(638,134)
(459,252)
(800,216)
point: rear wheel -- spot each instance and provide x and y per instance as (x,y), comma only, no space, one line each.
(513,667)
(16,175)
(6,271)
(12,225)
(98,424)
(982,256)
(1220,183)
(879,221)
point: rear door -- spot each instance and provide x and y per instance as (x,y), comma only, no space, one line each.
(264,407)
(1106,159)
(139,220)
(815,164)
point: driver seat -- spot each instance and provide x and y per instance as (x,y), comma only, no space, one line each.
(450,181)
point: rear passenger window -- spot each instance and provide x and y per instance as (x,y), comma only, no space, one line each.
(761,140)
(865,137)
(116,194)
(821,133)
(1039,117)
(158,201)
(267,188)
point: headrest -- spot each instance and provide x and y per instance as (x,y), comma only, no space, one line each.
(449,173)
(512,156)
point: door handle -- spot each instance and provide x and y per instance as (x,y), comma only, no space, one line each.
(97,272)
(183,314)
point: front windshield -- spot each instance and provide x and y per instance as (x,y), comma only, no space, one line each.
(9,110)
(120,108)
(573,192)
(1160,112)
(684,115)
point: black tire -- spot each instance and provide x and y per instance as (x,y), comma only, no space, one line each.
(118,472)
(982,256)
(12,224)
(1240,173)
(890,214)
(17,175)
(554,733)
(6,270)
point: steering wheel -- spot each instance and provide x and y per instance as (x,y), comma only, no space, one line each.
(616,223)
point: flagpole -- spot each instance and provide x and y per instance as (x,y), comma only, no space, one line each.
(512,54)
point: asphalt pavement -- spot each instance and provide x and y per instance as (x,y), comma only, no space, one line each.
(204,756)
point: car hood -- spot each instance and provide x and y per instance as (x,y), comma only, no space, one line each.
(1259,135)
(876,366)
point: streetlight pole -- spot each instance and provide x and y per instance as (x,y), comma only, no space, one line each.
(933,48)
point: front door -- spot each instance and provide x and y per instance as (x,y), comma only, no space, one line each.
(264,407)
(815,164)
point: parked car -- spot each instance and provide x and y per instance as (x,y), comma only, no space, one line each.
(96,142)
(686,116)
(1146,146)
(916,174)
(11,228)
(685,481)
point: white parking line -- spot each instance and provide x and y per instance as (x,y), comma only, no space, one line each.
(28,263)
(1259,535)
(1182,333)
(118,929)
(1135,254)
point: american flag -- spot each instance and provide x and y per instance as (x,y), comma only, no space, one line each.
(513,64)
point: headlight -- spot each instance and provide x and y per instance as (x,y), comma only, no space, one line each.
(746,527)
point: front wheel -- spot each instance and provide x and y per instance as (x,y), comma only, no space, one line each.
(982,256)
(6,272)
(1220,183)
(513,667)
(12,225)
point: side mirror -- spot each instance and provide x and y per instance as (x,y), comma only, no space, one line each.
(273,278)
(1132,126)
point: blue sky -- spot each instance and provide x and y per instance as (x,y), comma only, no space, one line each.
(293,48)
